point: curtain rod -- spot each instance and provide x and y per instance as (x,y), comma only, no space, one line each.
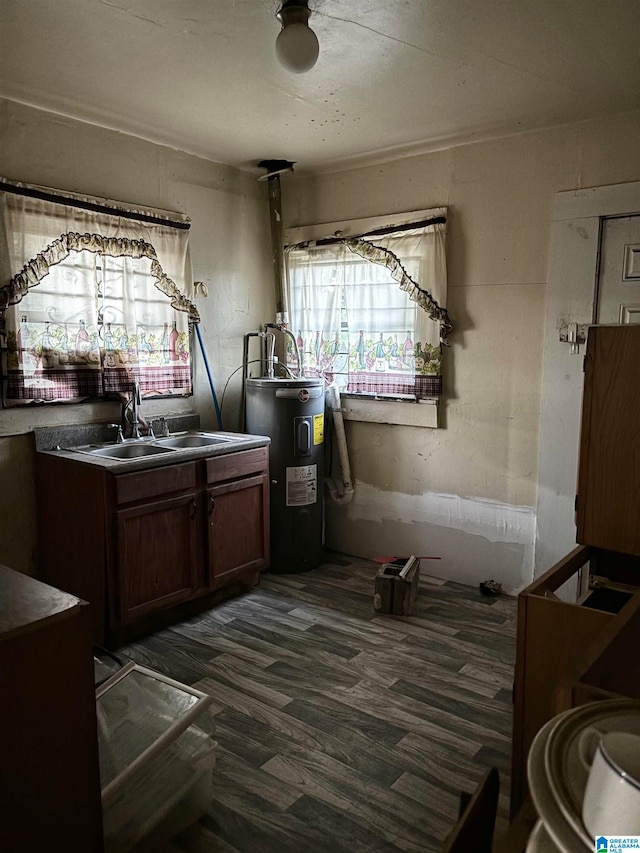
(396,229)
(93,206)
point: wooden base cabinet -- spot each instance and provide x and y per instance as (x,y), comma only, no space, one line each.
(50,776)
(146,543)
(554,636)
(595,589)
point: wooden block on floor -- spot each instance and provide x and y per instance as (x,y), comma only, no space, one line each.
(396,587)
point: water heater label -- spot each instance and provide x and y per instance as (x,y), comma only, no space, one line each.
(302,485)
(318,428)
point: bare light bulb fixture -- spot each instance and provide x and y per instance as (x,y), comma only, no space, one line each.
(297,45)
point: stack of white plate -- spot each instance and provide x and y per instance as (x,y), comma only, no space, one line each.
(558,777)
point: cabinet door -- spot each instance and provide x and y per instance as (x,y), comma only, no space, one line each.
(608,504)
(157,555)
(238,516)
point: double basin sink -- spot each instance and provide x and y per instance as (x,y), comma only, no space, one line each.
(141,447)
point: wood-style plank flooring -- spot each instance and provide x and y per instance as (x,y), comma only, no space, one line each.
(340,729)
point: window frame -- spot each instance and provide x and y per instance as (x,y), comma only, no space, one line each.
(35,245)
(362,407)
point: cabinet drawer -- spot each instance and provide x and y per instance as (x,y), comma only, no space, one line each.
(142,485)
(234,465)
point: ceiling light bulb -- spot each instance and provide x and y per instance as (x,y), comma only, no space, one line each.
(297,45)
(297,48)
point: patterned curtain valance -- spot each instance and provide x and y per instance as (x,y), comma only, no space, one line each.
(380,255)
(92,298)
(116,247)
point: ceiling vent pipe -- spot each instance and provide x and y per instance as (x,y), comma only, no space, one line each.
(275,168)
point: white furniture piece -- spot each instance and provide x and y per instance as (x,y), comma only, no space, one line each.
(558,776)
(155,763)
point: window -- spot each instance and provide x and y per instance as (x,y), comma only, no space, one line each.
(88,313)
(362,314)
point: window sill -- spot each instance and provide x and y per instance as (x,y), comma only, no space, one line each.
(424,414)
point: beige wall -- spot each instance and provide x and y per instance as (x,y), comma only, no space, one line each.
(230,252)
(467,492)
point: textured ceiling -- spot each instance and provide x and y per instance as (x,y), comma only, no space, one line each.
(393,77)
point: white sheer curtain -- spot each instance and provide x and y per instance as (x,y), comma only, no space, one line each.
(423,253)
(315,303)
(89,303)
(370,313)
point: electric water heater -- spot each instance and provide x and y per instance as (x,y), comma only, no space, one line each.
(291,413)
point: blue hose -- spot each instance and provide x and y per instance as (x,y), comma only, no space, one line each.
(208,369)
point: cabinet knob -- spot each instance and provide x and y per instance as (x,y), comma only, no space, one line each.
(212,503)
(193,509)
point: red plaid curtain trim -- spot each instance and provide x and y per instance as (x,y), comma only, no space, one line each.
(421,387)
(52,385)
(118,379)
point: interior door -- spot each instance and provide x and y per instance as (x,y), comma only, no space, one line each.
(619,280)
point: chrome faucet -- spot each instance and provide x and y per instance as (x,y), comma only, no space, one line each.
(132,423)
(136,402)
(131,401)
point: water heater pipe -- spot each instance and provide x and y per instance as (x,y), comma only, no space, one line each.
(345,495)
(271,354)
(271,361)
(282,328)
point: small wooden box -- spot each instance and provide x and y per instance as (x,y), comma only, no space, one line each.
(396,587)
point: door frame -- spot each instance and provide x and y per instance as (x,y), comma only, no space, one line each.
(574,253)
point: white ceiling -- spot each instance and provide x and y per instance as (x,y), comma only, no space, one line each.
(393,77)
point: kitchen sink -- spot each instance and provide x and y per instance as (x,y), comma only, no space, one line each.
(149,446)
(193,439)
(129,451)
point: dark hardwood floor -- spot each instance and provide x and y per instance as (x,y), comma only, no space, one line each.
(340,729)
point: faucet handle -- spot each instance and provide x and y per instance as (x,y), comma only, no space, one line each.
(120,436)
(164,427)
